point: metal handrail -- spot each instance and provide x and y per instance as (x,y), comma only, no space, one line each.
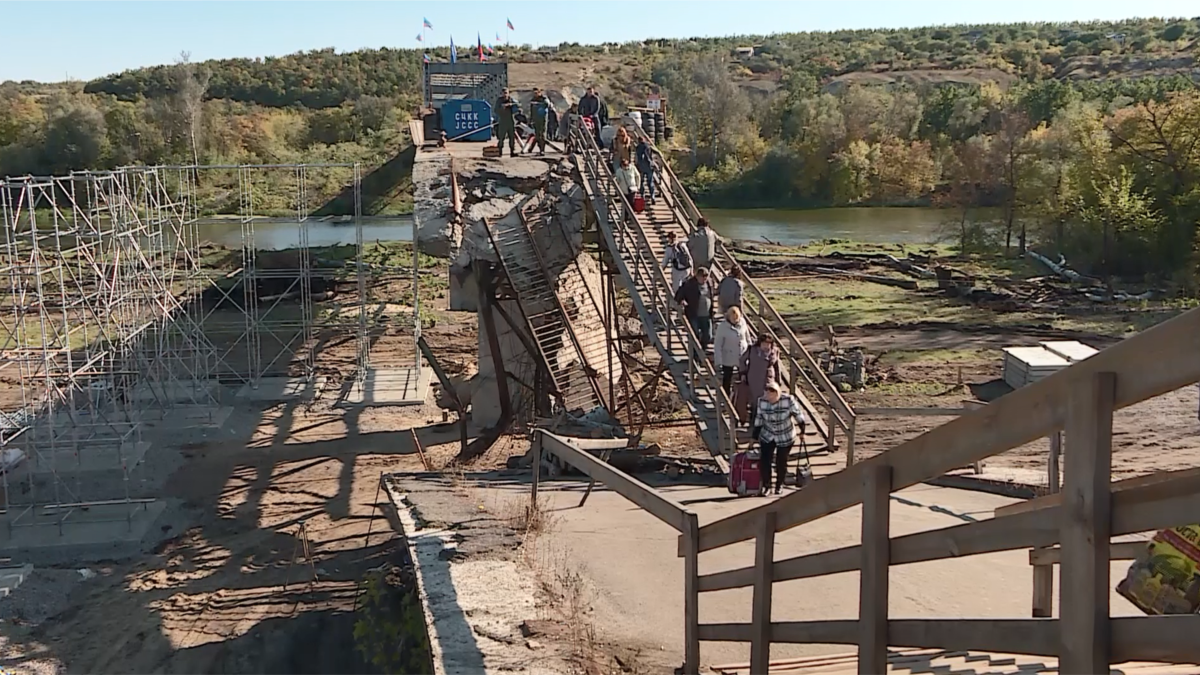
(726,430)
(840,410)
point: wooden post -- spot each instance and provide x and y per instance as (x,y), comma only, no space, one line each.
(1086,529)
(760,618)
(873,579)
(691,595)
(833,425)
(537,467)
(1054,477)
(850,441)
(1043,590)
(420,450)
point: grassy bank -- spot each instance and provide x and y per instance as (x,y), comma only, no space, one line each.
(812,300)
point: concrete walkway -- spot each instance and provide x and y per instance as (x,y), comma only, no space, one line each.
(630,557)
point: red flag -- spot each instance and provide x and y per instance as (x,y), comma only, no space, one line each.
(479,45)
(509,22)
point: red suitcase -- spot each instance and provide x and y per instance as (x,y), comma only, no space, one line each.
(639,203)
(745,478)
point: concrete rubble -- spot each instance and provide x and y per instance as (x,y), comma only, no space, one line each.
(495,192)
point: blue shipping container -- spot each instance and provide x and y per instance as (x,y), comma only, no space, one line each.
(461,117)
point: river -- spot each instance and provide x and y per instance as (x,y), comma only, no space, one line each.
(782,226)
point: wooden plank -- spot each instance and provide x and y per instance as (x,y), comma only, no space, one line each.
(913,412)
(1167,639)
(1011,636)
(1043,590)
(1086,521)
(873,582)
(1117,550)
(1054,500)
(1159,360)
(691,596)
(1170,639)
(760,612)
(1150,507)
(664,508)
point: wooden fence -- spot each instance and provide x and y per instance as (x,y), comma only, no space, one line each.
(1081,521)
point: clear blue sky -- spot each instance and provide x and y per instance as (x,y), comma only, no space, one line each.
(50,41)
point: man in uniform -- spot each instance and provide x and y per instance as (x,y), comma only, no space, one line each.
(506,125)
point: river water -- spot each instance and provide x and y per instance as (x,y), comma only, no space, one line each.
(782,226)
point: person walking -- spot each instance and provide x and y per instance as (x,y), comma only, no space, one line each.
(627,179)
(589,106)
(552,120)
(644,160)
(678,259)
(760,365)
(697,295)
(539,109)
(622,149)
(731,289)
(774,426)
(506,123)
(732,342)
(703,244)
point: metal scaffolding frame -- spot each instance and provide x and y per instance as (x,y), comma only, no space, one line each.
(116,311)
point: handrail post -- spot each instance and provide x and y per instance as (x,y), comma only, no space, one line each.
(537,469)
(873,579)
(851,426)
(760,619)
(1087,528)
(691,594)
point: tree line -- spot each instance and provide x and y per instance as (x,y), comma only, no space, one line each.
(1107,174)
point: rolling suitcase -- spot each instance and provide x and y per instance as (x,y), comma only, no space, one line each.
(639,203)
(745,477)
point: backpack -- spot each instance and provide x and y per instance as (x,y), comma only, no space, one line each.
(683,257)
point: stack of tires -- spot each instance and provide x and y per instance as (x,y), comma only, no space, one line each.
(650,124)
(660,126)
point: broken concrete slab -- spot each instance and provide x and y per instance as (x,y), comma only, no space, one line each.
(88,457)
(282,389)
(11,578)
(175,392)
(92,532)
(383,387)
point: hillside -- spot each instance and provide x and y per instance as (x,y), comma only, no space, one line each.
(1084,135)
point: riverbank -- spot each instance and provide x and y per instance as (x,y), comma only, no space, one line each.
(932,347)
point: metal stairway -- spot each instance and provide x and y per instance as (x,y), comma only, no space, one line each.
(639,240)
(550,321)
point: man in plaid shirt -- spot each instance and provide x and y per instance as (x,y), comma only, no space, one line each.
(775,432)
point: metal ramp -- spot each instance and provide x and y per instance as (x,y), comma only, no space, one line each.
(639,240)
(551,323)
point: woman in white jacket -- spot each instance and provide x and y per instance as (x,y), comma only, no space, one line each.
(733,339)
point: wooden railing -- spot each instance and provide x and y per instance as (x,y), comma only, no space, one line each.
(1081,520)
(805,373)
(573,451)
(638,263)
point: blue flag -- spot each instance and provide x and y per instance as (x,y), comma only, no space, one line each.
(453,51)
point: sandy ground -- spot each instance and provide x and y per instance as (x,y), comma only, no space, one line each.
(609,537)
(1156,435)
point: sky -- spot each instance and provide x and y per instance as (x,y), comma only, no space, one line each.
(52,41)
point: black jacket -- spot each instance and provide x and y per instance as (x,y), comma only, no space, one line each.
(689,295)
(589,105)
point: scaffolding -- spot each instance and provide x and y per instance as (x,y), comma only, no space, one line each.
(118,310)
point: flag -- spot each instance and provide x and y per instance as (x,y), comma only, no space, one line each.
(428,25)
(489,49)
(479,46)
(498,38)
(420,38)
(427,59)
(509,22)
(453,51)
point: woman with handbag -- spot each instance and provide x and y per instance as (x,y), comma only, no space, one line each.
(760,365)
(733,339)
